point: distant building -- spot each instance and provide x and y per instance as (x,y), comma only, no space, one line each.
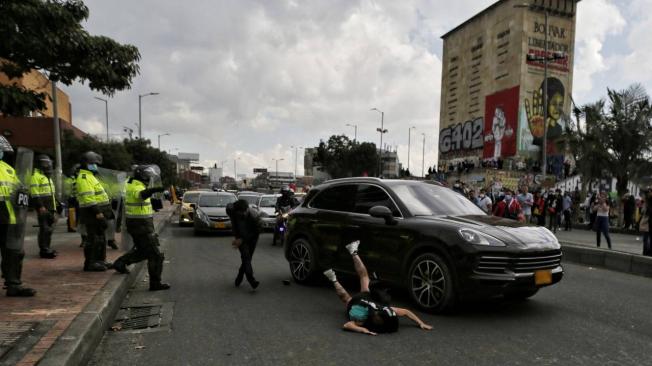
(278,179)
(308,157)
(390,164)
(492,94)
(215,174)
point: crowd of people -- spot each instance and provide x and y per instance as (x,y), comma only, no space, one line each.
(559,210)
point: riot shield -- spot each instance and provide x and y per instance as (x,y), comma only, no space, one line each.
(113,182)
(19,201)
(155,181)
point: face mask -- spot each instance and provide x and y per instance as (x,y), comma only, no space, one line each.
(481,195)
(508,197)
(92,167)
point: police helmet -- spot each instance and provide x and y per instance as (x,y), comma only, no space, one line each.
(5,145)
(44,163)
(91,157)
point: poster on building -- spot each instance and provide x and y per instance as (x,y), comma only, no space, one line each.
(500,124)
(547,92)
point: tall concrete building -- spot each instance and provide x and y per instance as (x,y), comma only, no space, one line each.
(492,94)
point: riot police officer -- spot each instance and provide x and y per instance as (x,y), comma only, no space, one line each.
(284,204)
(71,200)
(10,249)
(41,191)
(94,211)
(140,225)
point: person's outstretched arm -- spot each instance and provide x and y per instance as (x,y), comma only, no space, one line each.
(413,317)
(353,327)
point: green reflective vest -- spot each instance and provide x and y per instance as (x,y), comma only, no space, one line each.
(41,187)
(8,184)
(135,206)
(89,190)
(69,187)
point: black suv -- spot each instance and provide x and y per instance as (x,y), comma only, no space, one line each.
(422,237)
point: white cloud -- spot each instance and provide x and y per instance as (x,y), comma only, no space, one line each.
(596,20)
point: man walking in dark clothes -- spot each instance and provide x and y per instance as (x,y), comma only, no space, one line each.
(246,225)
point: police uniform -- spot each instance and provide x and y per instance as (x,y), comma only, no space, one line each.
(12,258)
(93,200)
(41,190)
(140,225)
(71,203)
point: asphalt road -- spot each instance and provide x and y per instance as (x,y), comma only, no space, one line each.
(593,317)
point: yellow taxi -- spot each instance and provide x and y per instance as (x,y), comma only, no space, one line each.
(187,212)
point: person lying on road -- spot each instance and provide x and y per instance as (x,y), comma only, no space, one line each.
(365,314)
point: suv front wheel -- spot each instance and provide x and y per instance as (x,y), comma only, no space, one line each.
(430,283)
(303,261)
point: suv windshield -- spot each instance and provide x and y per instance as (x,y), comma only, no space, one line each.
(268,201)
(430,200)
(214,200)
(190,197)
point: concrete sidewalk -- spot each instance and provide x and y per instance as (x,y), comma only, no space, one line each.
(579,246)
(29,327)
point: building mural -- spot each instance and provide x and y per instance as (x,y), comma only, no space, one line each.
(501,123)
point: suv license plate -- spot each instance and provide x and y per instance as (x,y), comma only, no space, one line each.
(543,277)
(219,225)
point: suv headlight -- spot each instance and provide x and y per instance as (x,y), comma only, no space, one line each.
(477,238)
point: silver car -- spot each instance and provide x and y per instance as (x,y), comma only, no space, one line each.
(267,207)
(210,212)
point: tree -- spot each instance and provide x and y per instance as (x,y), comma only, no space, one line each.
(114,154)
(142,152)
(618,137)
(47,35)
(341,157)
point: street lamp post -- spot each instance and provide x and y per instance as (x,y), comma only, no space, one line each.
(296,154)
(382,131)
(423,157)
(106,112)
(235,170)
(159,139)
(140,112)
(277,160)
(409,138)
(355,130)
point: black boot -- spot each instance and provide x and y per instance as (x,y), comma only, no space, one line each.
(19,291)
(158,286)
(120,266)
(48,254)
(95,267)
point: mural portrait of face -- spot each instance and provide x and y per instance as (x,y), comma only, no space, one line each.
(555,93)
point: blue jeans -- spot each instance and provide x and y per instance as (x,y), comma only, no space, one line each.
(602,225)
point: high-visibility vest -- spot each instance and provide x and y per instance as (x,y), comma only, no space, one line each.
(89,190)
(69,187)
(8,184)
(135,206)
(41,186)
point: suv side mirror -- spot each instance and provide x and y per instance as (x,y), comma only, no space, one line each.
(383,213)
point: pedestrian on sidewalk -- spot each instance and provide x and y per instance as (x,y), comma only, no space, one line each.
(526,200)
(567,206)
(11,249)
(369,313)
(602,208)
(539,209)
(246,225)
(95,209)
(509,207)
(140,225)
(629,206)
(42,197)
(485,202)
(644,224)
(554,209)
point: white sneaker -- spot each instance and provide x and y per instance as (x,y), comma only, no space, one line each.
(353,247)
(330,274)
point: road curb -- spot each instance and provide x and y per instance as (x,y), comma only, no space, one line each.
(606,258)
(78,342)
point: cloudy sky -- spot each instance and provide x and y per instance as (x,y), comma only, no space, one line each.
(249,79)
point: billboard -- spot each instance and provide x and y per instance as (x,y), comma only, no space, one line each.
(188,156)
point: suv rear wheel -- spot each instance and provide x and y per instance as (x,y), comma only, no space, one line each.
(303,261)
(430,283)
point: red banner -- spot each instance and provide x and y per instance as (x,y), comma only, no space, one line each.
(500,123)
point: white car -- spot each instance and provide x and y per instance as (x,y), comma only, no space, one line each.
(267,207)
